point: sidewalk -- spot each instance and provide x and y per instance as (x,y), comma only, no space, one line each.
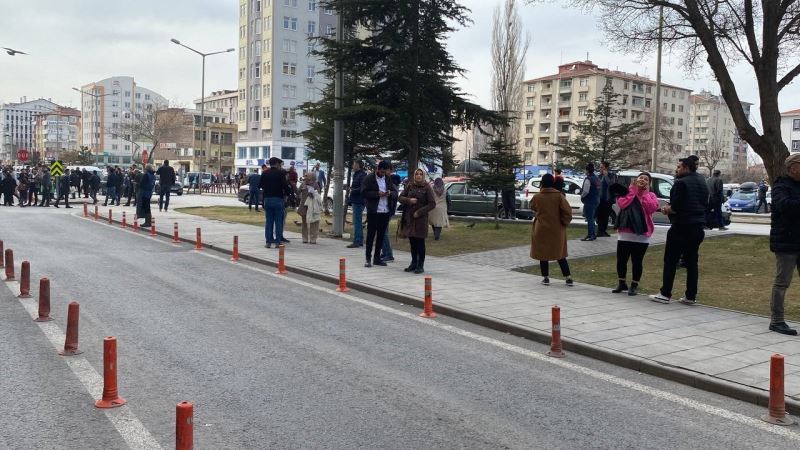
(723,351)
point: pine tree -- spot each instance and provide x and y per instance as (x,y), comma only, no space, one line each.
(499,161)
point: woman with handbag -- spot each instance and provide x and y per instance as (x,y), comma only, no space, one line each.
(310,209)
(549,229)
(634,228)
(419,200)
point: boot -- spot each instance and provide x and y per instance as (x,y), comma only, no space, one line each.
(621,286)
(634,289)
(412,267)
(420,265)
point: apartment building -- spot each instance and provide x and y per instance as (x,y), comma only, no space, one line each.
(790,129)
(277,73)
(17,122)
(114,104)
(554,102)
(184,145)
(57,131)
(712,133)
(469,143)
(225,101)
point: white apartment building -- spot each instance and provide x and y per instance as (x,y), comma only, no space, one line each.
(554,102)
(790,129)
(18,122)
(225,102)
(712,133)
(469,143)
(57,131)
(109,104)
(277,73)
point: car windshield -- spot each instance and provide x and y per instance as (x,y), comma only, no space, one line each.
(744,196)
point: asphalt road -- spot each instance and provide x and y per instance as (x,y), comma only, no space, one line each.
(272,362)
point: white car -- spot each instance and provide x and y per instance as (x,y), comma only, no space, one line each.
(572,188)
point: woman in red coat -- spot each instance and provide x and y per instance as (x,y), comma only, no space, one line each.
(419,200)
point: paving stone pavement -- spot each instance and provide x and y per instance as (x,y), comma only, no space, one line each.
(728,345)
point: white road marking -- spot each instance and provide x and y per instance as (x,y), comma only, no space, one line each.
(124,420)
(653,392)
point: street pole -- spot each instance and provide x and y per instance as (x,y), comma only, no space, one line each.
(338,142)
(657,115)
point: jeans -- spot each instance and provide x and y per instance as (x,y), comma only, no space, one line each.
(358,224)
(273,230)
(377,223)
(786,264)
(111,193)
(589,212)
(163,198)
(762,201)
(682,240)
(635,252)
(252,199)
(386,247)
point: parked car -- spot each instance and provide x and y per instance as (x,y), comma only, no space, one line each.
(244,196)
(176,188)
(190,180)
(572,189)
(660,185)
(743,201)
(466,200)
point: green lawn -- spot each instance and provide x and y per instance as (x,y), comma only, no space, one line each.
(736,272)
(463,236)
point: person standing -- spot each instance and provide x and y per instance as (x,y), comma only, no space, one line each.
(636,211)
(36,185)
(763,188)
(94,186)
(310,209)
(253,196)
(46,187)
(559,180)
(166,178)
(75,181)
(606,204)
(9,185)
(549,229)
(146,186)
(438,216)
(85,183)
(22,188)
(688,200)
(356,201)
(275,187)
(128,184)
(419,200)
(715,200)
(784,240)
(292,178)
(380,196)
(111,186)
(63,189)
(590,197)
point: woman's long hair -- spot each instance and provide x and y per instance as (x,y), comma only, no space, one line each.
(438,186)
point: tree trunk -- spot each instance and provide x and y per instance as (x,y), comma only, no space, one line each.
(327,188)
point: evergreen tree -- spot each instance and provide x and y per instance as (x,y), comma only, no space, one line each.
(602,136)
(499,161)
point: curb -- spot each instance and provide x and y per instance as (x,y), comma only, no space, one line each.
(664,371)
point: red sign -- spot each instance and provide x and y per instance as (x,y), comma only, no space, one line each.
(145,156)
(22,155)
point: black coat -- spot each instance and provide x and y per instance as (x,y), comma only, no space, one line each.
(784,235)
(370,192)
(688,199)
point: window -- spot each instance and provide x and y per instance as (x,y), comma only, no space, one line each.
(530,88)
(266,112)
(626,85)
(258,5)
(795,146)
(311,47)
(258,47)
(673,93)
(456,189)
(583,82)
(796,124)
(267,90)
(289,46)
(530,101)
(253,152)
(680,121)
(582,112)
(288,113)
(528,129)
(312,28)
(241,152)
(127,93)
(329,11)
(289,91)
(661,188)
(290,23)
(312,5)
(258,26)
(582,97)
(529,115)
(267,67)
(289,68)
(329,30)
(267,23)
(288,152)
(680,135)
(673,106)
(292,3)
(672,121)
(625,99)
(267,45)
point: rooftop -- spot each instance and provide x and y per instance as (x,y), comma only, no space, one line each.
(794,112)
(585,68)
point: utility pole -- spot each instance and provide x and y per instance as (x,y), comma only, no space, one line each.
(657,115)
(338,141)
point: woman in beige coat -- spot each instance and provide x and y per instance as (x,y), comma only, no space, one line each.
(438,216)
(549,231)
(310,219)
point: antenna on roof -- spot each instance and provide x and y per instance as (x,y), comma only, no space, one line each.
(562,57)
(587,56)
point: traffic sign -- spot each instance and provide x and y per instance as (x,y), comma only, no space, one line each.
(56,169)
(22,155)
(145,157)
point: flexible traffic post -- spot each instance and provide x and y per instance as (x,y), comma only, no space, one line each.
(85,210)
(110,219)
(198,240)
(427,307)
(135,222)
(555,344)
(111,398)
(152,226)
(71,340)
(342,276)
(184,426)
(44,301)
(2,256)
(124,220)
(281,260)
(10,265)
(25,280)
(776,414)
(176,239)
(96,212)
(235,253)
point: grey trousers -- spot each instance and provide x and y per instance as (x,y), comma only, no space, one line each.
(786,264)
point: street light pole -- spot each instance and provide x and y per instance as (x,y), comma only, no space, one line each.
(338,141)
(657,115)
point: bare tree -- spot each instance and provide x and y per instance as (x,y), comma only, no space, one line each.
(712,152)
(151,127)
(764,35)
(509,47)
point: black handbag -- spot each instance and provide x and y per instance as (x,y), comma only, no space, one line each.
(632,218)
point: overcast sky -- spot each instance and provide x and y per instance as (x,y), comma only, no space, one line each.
(72,43)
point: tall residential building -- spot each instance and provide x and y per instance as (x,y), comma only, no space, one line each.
(712,133)
(182,141)
(470,142)
(225,101)
(114,104)
(790,129)
(57,131)
(554,102)
(277,73)
(17,122)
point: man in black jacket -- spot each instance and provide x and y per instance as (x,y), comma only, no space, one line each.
(784,239)
(380,195)
(716,198)
(63,189)
(166,178)
(688,200)
(275,189)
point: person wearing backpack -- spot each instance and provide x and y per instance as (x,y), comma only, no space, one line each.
(635,226)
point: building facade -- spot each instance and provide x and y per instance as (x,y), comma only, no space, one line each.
(182,141)
(712,134)
(225,101)
(56,132)
(553,103)
(277,73)
(110,107)
(469,143)
(18,123)
(790,129)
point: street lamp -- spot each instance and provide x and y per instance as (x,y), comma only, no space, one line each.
(97,98)
(202,101)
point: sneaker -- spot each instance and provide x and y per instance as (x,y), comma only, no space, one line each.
(367,264)
(658,298)
(723,228)
(268,245)
(687,301)
(354,245)
(782,328)
(285,241)
(387,260)
(546,281)
(569,282)
(589,238)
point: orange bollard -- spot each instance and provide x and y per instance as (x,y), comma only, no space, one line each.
(2,256)
(135,223)
(777,401)
(10,265)
(71,341)
(198,241)
(427,309)
(184,426)
(342,276)
(235,254)
(25,280)
(281,260)
(555,345)
(176,239)
(111,398)
(110,219)
(85,210)
(152,226)
(96,213)
(44,301)
(124,220)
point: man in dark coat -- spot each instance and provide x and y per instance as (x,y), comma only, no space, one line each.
(276,188)
(111,186)
(146,186)
(86,178)
(166,178)
(253,182)
(784,239)
(380,195)
(715,200)
(94,186)
(46,187)
(63,189)
(357,202)
(9,184)
(590,197)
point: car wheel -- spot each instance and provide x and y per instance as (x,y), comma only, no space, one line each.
(180,193)
(246,199)
(501,212)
